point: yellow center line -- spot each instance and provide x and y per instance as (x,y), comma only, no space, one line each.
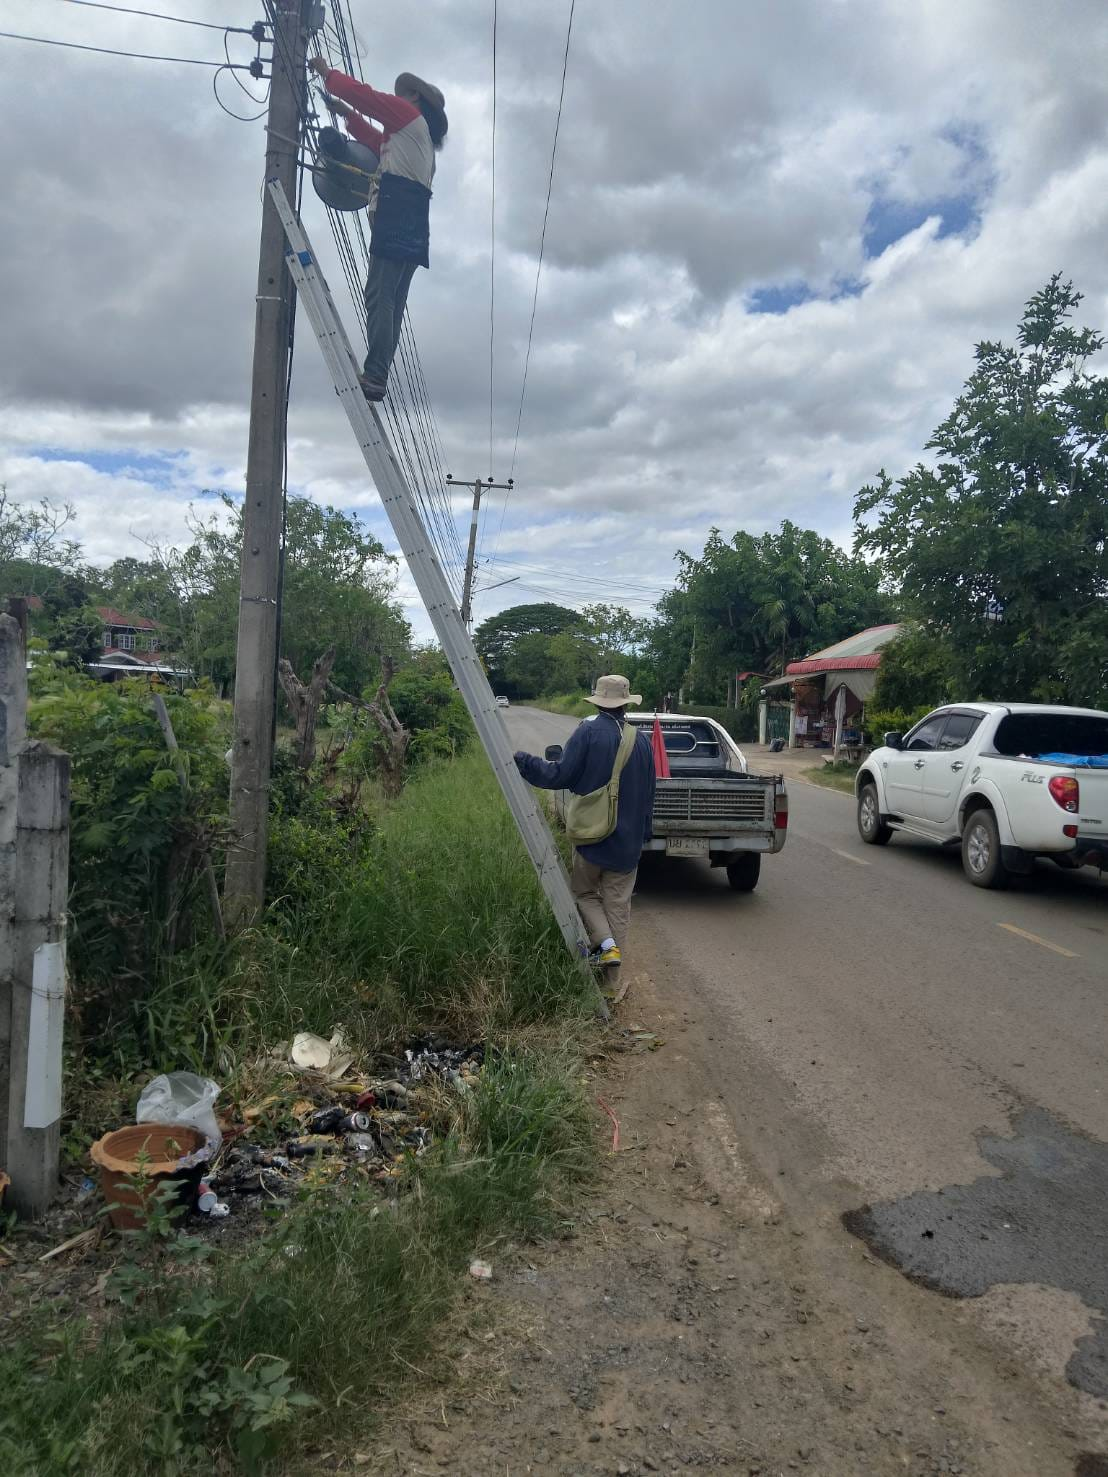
(1033,938)
(847,856)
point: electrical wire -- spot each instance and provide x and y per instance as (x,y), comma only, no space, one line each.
(538,271)
(240,117)
(407,411)
(141,56)
(575,576)
(157,15)
(492,246)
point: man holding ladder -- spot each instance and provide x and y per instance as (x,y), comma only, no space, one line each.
(608,768)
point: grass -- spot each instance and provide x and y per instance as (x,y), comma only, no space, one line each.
(249,1362)
(834,776)
(429,917)
(572,705)
(434,920)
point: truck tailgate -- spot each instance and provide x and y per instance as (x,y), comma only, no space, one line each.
(710,806)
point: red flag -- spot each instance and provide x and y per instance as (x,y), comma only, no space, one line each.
(661,758)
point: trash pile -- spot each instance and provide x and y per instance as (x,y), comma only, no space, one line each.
(322,1117)
(337,1122)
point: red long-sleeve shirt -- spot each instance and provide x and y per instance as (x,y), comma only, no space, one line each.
(403,142)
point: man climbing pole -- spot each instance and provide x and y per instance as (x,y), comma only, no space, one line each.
(413,128)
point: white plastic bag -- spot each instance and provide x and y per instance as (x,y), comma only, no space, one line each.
(184,1098)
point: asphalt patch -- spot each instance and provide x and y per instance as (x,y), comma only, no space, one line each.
(1042,1219)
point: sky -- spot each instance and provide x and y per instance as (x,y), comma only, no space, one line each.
(776,233)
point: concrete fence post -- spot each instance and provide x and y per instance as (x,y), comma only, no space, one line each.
(34,880)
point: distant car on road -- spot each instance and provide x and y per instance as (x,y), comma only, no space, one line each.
(1007,782)
(502,702)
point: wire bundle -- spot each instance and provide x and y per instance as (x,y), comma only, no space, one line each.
(407,409)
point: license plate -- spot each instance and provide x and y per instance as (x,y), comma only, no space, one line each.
(686,846)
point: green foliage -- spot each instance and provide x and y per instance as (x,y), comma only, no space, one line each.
(497,637)
(34,550)
(835,776)
(137,837)
(917,668)
(534,650)
(431,708)
(237,1361)
(1001,545)
(741,723)
(447,918)
(572,704)
(880,721)
(754,604)
(337,588)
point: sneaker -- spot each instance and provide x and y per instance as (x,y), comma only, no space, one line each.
(371,389)
(610,956)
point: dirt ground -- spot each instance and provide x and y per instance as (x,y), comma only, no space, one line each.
(694,1323)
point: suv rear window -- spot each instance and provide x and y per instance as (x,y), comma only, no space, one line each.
(1051,733)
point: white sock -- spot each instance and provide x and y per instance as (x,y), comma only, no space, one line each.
(608,943)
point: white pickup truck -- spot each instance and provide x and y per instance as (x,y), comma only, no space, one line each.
(1007,782)
(711,807)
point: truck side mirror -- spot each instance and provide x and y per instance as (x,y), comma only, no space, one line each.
(894,741)
(552,752)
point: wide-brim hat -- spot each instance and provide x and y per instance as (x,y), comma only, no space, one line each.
(409,82)
(613,692)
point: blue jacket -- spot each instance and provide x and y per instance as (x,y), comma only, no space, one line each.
(586,765)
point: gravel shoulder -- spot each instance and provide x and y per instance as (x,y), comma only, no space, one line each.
(693,1320)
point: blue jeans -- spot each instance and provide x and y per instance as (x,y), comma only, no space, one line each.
(386,295)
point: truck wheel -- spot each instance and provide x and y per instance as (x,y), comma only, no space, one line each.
(981,859)
(743,872)
(871,828)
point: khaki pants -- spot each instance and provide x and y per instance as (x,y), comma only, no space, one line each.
(603,900)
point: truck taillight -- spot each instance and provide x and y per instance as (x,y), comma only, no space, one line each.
(781,814)
(1066,792)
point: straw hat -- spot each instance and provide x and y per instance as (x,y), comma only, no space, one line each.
(613,692)
(409,82)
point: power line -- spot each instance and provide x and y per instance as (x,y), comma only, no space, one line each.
(538,269)
(417,450)
(492,243)
(157,15)
(561,574)
(142,56)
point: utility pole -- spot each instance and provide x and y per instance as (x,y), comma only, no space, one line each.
(256,654)
(479,487)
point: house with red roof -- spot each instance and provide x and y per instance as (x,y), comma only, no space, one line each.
(826,692)
(132,644)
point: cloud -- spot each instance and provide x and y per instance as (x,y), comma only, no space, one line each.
(775,235)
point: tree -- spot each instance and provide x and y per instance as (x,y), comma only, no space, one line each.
(755,603)
(512,659)
(916,670)
(337,588)
(34,551)
(1000,545)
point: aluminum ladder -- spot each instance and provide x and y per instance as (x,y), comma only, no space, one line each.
(403,514)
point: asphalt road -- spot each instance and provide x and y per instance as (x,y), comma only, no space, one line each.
(882,1016)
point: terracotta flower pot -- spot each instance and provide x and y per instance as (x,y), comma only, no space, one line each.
(116,1156)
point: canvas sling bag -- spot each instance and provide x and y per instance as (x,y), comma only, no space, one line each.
(592,817)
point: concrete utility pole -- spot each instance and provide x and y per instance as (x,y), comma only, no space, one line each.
(34,876)
(256,655)
(479,487)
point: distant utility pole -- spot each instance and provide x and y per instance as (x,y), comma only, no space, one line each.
(479,487)
(256,655)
